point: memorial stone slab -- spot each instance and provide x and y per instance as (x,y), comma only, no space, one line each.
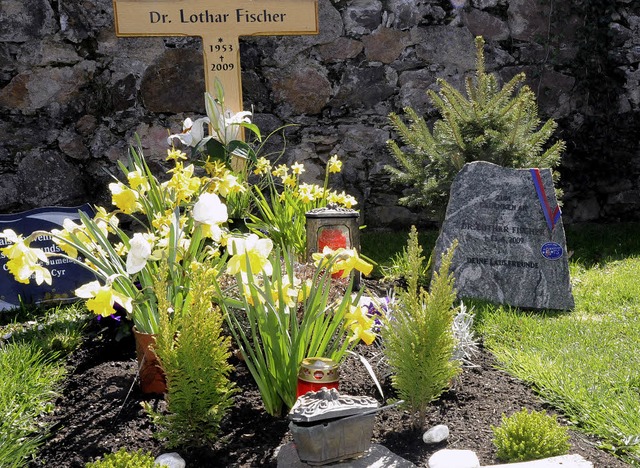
(511,241)
(67,276)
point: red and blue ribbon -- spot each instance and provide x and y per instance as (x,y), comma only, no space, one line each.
(552,217)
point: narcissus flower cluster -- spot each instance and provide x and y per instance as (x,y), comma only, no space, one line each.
(177,225)
(178,221)
(308,194)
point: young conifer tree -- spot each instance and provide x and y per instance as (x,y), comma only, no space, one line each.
(418,336)
(494,124)
(194,352)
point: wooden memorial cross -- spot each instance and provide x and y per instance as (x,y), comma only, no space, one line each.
(219,23)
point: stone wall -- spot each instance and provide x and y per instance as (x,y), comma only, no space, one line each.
(73,95)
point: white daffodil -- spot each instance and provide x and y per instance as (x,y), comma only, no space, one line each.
(252,249)
(192,132)
(139,252)
(225,124)
(210,210)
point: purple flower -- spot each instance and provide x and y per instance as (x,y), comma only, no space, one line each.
(378,308)
(115,317)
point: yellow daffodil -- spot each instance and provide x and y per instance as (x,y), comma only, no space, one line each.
(107,221)
(280,171)
(249,249)
(345,260)
(64,238)
(23,260)
(176,155)
(101,299)
(161,222)
(257,288)
(22,270)
(124,198)
(229,184)
(290,180)
(309,192)
(289,291)
(246,291)
(334,164)
(342,199)
(321,259)
(319,192)
(348,259)
(333,197)
(349,201)
(304,290)
(305,194)
(215,168)
(120,249)
(138,180)
(360,324)
(262,166)
(182,182)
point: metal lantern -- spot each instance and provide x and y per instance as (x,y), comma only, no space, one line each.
(328,427)
(335,228)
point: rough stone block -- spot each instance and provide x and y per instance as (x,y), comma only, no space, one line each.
(511,242)
(450,458)
(377,456)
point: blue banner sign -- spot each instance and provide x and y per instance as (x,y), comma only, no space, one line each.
(67,275)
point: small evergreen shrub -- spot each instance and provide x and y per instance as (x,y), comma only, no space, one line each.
(526,436)
(125,459)
(194,355)
(399,267)
(492,123)
(417,338)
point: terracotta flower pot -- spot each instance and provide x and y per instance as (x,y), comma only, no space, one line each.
(152,378)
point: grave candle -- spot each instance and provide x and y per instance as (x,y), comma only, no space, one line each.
(315,373)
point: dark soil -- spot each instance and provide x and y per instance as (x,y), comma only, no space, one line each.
(99,411)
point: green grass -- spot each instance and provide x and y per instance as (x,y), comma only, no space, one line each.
(383,247)
(31,369)
(594,244)
(586,362)
(25,392)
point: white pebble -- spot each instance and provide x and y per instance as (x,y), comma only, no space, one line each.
(436,434)
(171,460)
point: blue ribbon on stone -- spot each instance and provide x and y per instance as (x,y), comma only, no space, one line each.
(551,216)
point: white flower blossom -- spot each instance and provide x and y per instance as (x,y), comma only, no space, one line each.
(210,210)
(192,132)
(139,252)
(225,124)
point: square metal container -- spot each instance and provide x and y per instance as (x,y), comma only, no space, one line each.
(328,427)
(332,441)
